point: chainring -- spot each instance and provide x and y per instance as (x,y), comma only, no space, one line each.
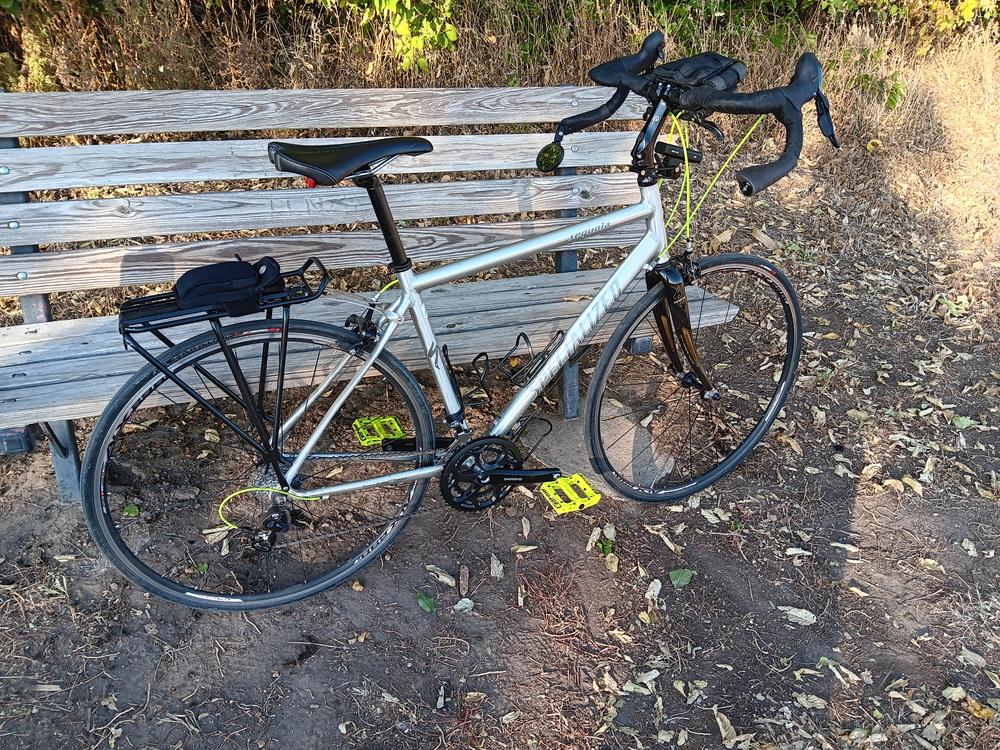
(465,479)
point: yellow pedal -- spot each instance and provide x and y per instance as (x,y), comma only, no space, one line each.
(374,430)
(568,494)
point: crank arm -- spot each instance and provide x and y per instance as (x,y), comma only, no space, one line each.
(523,476)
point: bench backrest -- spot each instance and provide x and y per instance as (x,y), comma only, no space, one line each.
(109,239)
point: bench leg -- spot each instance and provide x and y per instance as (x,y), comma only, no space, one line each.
(566,261)
(570,391)
(642,345)
(65,459)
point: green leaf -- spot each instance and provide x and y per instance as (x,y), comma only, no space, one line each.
(131,510)
(962,422)
(202,568)
(426,603)
(681,577)
(895,95)
(606,546)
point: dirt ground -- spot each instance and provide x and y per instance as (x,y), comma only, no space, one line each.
(846,587)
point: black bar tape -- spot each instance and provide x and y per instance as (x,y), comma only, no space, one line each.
(784,103)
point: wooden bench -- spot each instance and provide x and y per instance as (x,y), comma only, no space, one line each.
(52,372)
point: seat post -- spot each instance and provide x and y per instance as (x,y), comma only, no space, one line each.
(386,223)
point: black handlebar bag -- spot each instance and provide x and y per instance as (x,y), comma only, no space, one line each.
(709,68)
(235,285)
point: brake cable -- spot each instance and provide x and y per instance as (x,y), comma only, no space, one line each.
(686,184)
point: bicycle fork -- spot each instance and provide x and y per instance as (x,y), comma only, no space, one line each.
(673,322)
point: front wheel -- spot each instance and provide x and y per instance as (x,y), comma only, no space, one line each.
(652,434)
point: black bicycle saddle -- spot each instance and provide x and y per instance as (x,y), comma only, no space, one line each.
(328,165)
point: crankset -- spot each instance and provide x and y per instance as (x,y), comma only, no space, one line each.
(481,472)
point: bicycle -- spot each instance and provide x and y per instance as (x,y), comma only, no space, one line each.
(226,473)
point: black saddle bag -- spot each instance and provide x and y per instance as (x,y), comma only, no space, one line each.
(235,285)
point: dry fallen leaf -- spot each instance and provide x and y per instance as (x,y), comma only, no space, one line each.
(848,547)
(913,484)
(611,561)
(660,531)
(808,700)
(978,710)
(763,239)
(721,239)
(631,686)
(648,679)
(440,575)
(971,658)
(954,693)
(729,736)
(929,563)
(496,567)
(653,590)
(798,615)
(215,534)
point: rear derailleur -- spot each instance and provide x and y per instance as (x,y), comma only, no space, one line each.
(278,519)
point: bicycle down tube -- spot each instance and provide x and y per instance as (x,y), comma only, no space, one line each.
(649,208)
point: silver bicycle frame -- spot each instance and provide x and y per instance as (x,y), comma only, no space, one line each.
(652,244)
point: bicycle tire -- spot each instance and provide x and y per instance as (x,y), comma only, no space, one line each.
(102,523)
(625,331)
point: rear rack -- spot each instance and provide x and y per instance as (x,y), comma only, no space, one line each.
(159,311)
(155,313)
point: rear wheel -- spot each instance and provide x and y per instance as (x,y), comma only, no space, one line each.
(186,509)
(652,434)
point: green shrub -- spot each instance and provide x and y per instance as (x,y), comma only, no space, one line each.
(417,26)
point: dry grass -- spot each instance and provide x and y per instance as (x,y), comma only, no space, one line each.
(935,152)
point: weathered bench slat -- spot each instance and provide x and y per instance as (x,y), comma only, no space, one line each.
(110,218)
(55,167)
(125,265)
(58,339)
(84,363)
(107,112)
(77,365)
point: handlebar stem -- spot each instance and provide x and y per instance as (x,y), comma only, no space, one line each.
(643,158)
